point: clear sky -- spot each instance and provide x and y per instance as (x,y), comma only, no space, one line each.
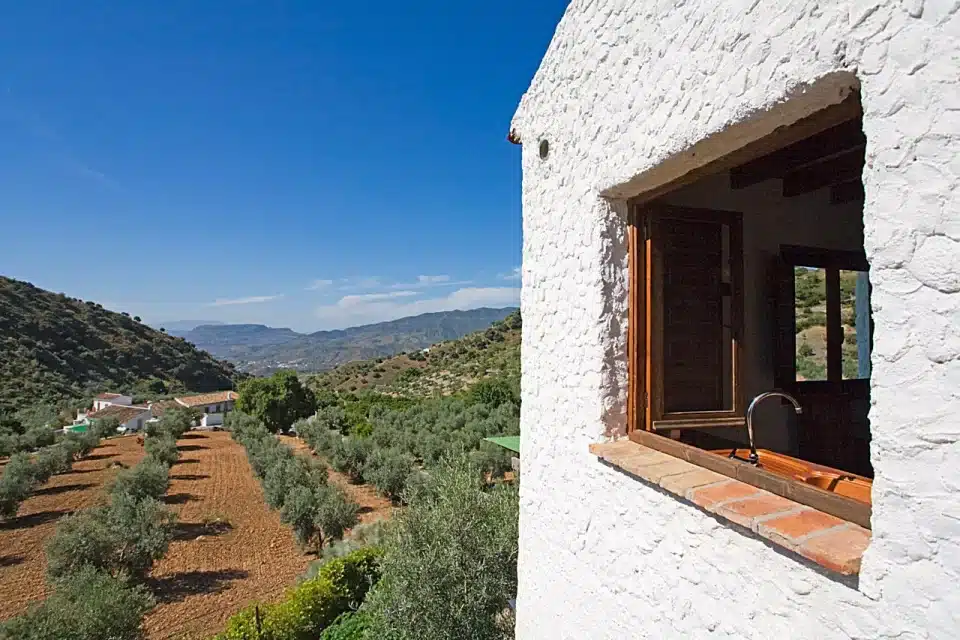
(306,164)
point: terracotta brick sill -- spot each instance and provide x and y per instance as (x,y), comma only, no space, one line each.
(832,543)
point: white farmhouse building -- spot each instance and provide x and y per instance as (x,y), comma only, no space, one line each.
(720,199)
(109,399)
(214,406)
(131,417)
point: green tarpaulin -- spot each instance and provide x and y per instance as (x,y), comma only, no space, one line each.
(507,442)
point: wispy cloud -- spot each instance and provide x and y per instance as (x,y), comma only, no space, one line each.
(362,282)
(513,275)
(428,280)
(225,302)
(424,282)
(352,301)
(380,307)
(316,285)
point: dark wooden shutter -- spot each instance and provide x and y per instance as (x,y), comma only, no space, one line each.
(691,263)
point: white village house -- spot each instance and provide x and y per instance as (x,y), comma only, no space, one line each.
(214,406)
(211,406)
(688,167)
(108,399)
(120,407)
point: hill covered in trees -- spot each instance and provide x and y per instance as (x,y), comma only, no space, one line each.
(442,369)
(53,347)
(261,350)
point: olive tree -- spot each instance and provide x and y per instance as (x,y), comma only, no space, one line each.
(86,605)
(450,560)
(123,538)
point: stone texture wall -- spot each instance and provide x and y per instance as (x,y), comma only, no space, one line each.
(625,90)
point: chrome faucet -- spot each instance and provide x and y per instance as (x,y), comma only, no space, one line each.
(754,459)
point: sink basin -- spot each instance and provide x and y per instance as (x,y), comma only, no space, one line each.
(842,485)
(816,475)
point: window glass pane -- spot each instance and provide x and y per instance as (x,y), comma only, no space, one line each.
(810,308)
(855,321)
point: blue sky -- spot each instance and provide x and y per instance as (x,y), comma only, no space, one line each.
(305,164)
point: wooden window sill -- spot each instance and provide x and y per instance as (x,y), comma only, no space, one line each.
(826,540)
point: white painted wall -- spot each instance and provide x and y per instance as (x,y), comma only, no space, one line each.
(136,423)
(214,413)
(121,400)
(624,90)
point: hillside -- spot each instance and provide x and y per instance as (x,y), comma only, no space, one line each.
(226,340)
(54,347)
(441,369)
(261,350)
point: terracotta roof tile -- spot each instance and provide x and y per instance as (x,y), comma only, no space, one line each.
(120,412)
(159,408)
(207,398)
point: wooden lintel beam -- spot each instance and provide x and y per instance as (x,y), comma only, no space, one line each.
(835,140)
(847,192)
(839,169)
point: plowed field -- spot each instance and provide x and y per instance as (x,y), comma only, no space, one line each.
(230,548)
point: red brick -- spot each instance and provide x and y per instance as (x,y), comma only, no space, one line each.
(839,550)
(745,512)
(681,483)
(792,529)
(713,494)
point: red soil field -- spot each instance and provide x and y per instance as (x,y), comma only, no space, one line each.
(229,550)
(23,563)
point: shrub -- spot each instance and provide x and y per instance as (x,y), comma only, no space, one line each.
(493,392)
(51,461)
(162,448)
(17,482)
(277,401)
(388,470)
(81,444)
(318,513)
(87,605)
(362,536)
(177,421)
(123,538)
(450,561)
(103,428)
(312,606)
(352,625)
(149,479)
(491,459)
(9,444)
(349,455)
(35,438)
(287,473)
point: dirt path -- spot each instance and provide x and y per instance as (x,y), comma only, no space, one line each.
(231,549)
(373,506)
(23,562)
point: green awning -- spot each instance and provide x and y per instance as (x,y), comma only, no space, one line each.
(507,442)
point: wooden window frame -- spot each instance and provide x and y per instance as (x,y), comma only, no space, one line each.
(645,401)
(832,261)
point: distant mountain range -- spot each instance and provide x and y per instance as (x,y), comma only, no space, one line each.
(179,327)
(54,347)
(260,349)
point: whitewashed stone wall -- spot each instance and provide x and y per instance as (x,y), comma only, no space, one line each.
(625,86)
